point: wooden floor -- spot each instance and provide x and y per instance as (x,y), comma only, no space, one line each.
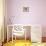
(18,43)
(23,43)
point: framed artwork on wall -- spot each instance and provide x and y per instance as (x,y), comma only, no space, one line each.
(25,9)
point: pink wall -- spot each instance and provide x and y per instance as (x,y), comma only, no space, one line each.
(36,14)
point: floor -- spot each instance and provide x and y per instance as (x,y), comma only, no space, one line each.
(23,43)
(18,43)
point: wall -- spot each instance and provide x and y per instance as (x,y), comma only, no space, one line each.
(36,14)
